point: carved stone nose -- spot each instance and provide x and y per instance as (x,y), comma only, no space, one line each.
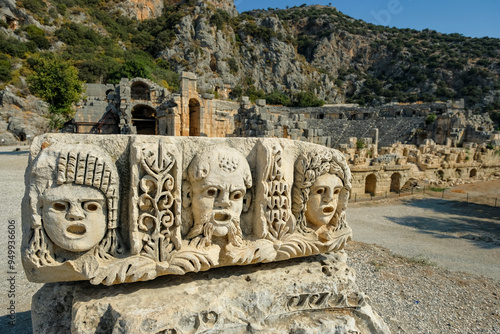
(223,200)
(75,212)
(328,195)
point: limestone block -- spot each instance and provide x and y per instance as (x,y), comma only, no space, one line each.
(301,125)
(125,208)
(208,96)
(308,295)
(260,102)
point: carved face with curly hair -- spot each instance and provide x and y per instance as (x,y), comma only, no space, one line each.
(219,179)
(323,199)
(321,190)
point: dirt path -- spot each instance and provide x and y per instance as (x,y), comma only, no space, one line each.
(456,235)
(12,166)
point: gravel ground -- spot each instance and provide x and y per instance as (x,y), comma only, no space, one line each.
(457,236)
(12,166)
(407,290)
(414,296)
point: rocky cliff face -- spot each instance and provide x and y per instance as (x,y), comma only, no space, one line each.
(141,9)
(340,59)
(21,118)
(313,49)
(232,56)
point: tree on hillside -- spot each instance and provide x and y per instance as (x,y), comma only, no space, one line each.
(56,82)
(307,99)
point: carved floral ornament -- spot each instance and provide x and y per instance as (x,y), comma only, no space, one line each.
(149,206)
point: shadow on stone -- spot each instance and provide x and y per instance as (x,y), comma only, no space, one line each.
(22,324)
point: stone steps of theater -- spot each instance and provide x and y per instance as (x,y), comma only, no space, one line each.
(390,130)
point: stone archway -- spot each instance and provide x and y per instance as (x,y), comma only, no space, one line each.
(395,182)
(144,120)
(194,117)
(140,91)
(473,173)
(371,184)
(410,184)
(422,136)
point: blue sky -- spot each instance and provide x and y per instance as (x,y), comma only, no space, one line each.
(476,18)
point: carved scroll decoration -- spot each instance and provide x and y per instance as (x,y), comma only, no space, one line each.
(159,210)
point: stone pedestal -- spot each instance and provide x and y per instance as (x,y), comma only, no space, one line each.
(317,294)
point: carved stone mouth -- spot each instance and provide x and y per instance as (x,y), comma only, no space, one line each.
(77,229)
(328,209)
(222,217)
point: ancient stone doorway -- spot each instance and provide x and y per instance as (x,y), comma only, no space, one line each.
(194,117)
(395,182)
(411,183)
(371,184)
(473,173)
(422,136)
(108,92)
(110,123)
(139,91)
(458,173)
(440,174)
(144,120)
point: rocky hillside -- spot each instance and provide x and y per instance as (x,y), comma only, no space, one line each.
(276,54)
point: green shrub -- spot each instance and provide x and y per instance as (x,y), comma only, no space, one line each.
(307,99)
(14,47)
(37,7)
(430,118)
(254,93)
(233,65)
(5,69)
(236,92)
(77,34)
(220,18)
(360,144)
(56,82)
(163,73)
(277,98)
(37,35)
(97,70)
(133,68)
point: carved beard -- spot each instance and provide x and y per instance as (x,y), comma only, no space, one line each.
(208,227)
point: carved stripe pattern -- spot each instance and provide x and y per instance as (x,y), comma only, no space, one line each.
(278,197)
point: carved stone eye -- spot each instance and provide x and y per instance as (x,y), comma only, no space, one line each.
(90,206)
(236,195)
(59,206)
(211,192)
(337,191)
(320,191)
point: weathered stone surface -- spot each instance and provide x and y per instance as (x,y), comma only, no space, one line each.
(307,295)
(187,205)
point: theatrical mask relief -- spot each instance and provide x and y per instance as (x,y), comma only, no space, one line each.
(119,209)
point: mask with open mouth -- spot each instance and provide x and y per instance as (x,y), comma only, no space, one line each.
(323,200)
(74,216)
(218,181)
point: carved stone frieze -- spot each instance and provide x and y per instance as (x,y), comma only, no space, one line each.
(114,209)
